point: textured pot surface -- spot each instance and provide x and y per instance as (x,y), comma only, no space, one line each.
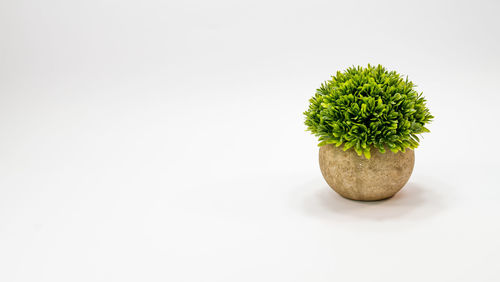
(358,178)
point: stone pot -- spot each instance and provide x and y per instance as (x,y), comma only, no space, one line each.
(357,178)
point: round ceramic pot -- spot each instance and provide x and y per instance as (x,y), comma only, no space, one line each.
(357,178)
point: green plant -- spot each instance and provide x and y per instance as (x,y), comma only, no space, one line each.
(363,108)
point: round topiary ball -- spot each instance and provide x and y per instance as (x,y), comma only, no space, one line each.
(364,108)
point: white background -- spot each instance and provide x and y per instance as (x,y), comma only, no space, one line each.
(164,141)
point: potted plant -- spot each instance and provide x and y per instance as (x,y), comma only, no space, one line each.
(367,120)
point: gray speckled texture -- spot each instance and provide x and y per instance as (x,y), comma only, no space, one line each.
(358,178)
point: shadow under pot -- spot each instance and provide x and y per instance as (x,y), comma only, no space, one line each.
(357,178)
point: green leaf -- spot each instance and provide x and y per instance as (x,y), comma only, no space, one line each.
(349,145)
(364,107)
(322,143)
(358,151)
(367,154)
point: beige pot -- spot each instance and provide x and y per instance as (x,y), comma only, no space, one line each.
(357,178)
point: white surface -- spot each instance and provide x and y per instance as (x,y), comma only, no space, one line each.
(164,141)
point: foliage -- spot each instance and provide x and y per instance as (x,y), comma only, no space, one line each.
(365,108)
